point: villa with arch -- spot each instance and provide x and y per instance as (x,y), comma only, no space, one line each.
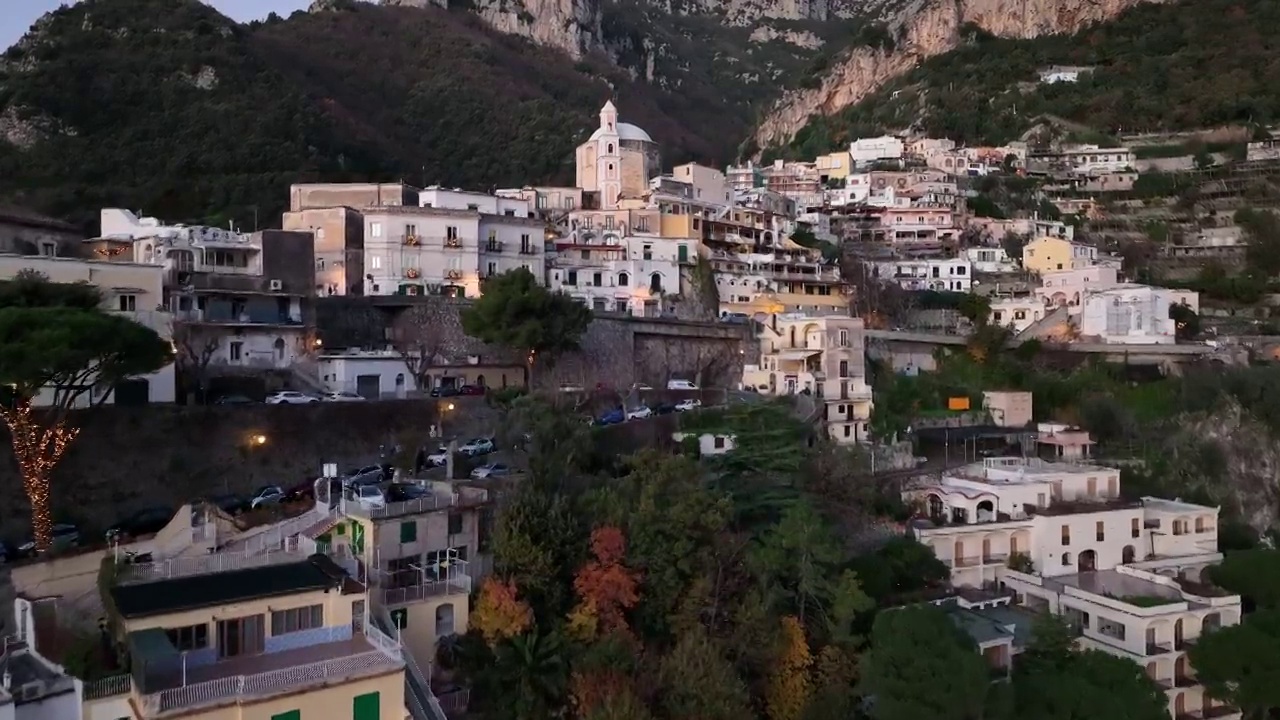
(1059,537)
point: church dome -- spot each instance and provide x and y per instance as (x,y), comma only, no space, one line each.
(626,131)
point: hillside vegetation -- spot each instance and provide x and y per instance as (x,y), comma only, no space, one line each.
(169,107)
(1174,66)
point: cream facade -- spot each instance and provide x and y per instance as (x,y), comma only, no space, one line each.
(1060,538)
(1067,288)
(823,357)
(1049,254)
(708,184)
(990,260)
(381,374)
(865,151)
(1017,313)
(617,161)
(1129,314)
(132,290)
(938,274)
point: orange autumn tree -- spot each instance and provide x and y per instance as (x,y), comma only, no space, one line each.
(606,588)
(603,675)
(500,613)
(789,687)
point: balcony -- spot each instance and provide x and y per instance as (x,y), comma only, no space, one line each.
(166,682)
(456,582)
(452,243)
(528,250)
(434,502)
(232,317)
(1157,648)
(410,240)
(295,549)
(494,246)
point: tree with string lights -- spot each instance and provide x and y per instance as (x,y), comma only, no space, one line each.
(56,358)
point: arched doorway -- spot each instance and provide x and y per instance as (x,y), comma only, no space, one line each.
(400,385)
(958,556)
(444,619)
(655,284)
(1212,621)
(278,350)
(1177,636)
(986,511)
(1180,704)
(1087,561)
(986,549)
(935,507)
(1127,554)
(480,381)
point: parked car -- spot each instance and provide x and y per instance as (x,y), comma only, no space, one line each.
(341,397)
(444,391)
(639,413)
(687,405)
(470,390)
(440,457)
(369,497)
(65,535)
(301,491)
(571,388)
(613,417)
(642,387)
(234,400)
(148,521)
(490,470)
(476,447)
(289,397)
(267,495)
(367,475)
(663,409)
(401,492)
(681,385)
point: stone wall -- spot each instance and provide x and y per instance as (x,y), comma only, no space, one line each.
(129,458)
(615,350)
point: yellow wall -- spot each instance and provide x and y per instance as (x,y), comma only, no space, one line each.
(328,703)
(835,165)
(420,635)
(677,226)
(1047,254)
(107,275)
(337,611)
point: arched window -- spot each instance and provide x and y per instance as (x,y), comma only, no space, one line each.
(1066,558)
(623,279)
(655,282)
(278,346)
(610,152)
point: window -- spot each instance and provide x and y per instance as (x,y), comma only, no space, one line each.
(608,220)
(620,306)
(642,224)
(524,243)
(1135,527)
(366,707)
(451,232)
(1091,487)
(455,523)
(1066,558)
(844,368)
(411,229)
(1100,531)
(473,206)
(192,637)
(493,235)
(1113,486)
(844,338)
(1066,534)
(375,229)
(409,531)
(597,280)
(571,278)
(647,251)
(623,279)
(128,303)
(49,249)
(297,619)
(235,351)
(375,262)
(491,270)
(569,203)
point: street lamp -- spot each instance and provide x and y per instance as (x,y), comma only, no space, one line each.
(259,440)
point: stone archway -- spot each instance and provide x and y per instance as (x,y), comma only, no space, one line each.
(1128,554)
(1087,561)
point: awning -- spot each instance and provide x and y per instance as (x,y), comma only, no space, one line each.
(797,354)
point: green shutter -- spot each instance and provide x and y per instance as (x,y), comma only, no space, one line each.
(684,253)
(342,528)
(366,707)
(290,715)
(409,531)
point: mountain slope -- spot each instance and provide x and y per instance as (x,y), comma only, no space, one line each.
(923,30)
(1193,64)
(169,107)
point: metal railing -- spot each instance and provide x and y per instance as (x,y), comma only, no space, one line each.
(275,536)
(108,687)
(430,503)
(294,550)
(457,584)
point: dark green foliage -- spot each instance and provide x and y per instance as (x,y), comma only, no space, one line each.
(517,311)
(1240,665)
(1253,574)
(922,666)
(1184,65)
(32,289)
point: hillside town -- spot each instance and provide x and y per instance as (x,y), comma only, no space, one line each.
(737,326)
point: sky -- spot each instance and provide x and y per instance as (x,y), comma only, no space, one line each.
(18,15)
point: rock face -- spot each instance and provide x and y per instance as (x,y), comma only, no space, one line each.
(923,31)
(571,25)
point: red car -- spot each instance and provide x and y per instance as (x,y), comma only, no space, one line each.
(470,390)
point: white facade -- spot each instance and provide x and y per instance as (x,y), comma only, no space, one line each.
(1062,74)
(1129,314)
(940,274)
(1017,314)
(1126,574)
(990,260)
(449,244)
(1092,160)
(620,274)
(707,185)
(1069,287)
(371,375)
(865,151)
(710,443)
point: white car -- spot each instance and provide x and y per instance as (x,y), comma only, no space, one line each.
(341,397)
(478,446)
(642,387)
(289,397)
(681,385)
(687,405)
(440,457)
(639,413)
(369,497)
(267,495)
(490,470)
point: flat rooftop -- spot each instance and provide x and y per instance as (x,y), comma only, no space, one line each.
(1085,507)
(1172,506)
(1014,470)
(24,668)
(1113,584)
(161,597)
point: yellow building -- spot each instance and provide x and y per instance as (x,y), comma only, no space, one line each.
(834,166)
(289,639)
(1051,254)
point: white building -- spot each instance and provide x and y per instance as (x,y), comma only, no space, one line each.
(385,374)
(1129,314)
(865,151)
(1017,313)
(612,272)
(707,185)
(450,243)
(1058,536)
(990,260)
(35,687)
(940,274)
(709,443)
(1068,287)
(1063,73)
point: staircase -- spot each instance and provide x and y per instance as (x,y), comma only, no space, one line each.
(1044,325)
(422,703)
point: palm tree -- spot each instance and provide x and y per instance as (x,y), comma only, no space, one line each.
(536,673)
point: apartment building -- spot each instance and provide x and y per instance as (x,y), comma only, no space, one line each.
(760,271)
(27,232)
(1049,253)
(937,274)
(1081,160)
(866,151)
(416,558)
(1059,537)
(133,290)
(708,185)
(449,243)
(745,177)
(244,299)
(990,260)
(1129,314)
(279,635)
(822,357)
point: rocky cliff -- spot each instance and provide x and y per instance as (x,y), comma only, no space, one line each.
(923,30)
(570,25)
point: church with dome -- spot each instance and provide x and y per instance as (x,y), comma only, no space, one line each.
(617,161)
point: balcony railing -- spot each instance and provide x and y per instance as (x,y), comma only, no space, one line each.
(294,549)
(1158,648)
(230,318)
(431,503)
(528,250)
(494,246)
(108,687)
(457,583)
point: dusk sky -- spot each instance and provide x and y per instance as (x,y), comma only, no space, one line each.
(18,15)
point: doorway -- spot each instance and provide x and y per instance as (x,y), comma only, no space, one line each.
(241,636)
